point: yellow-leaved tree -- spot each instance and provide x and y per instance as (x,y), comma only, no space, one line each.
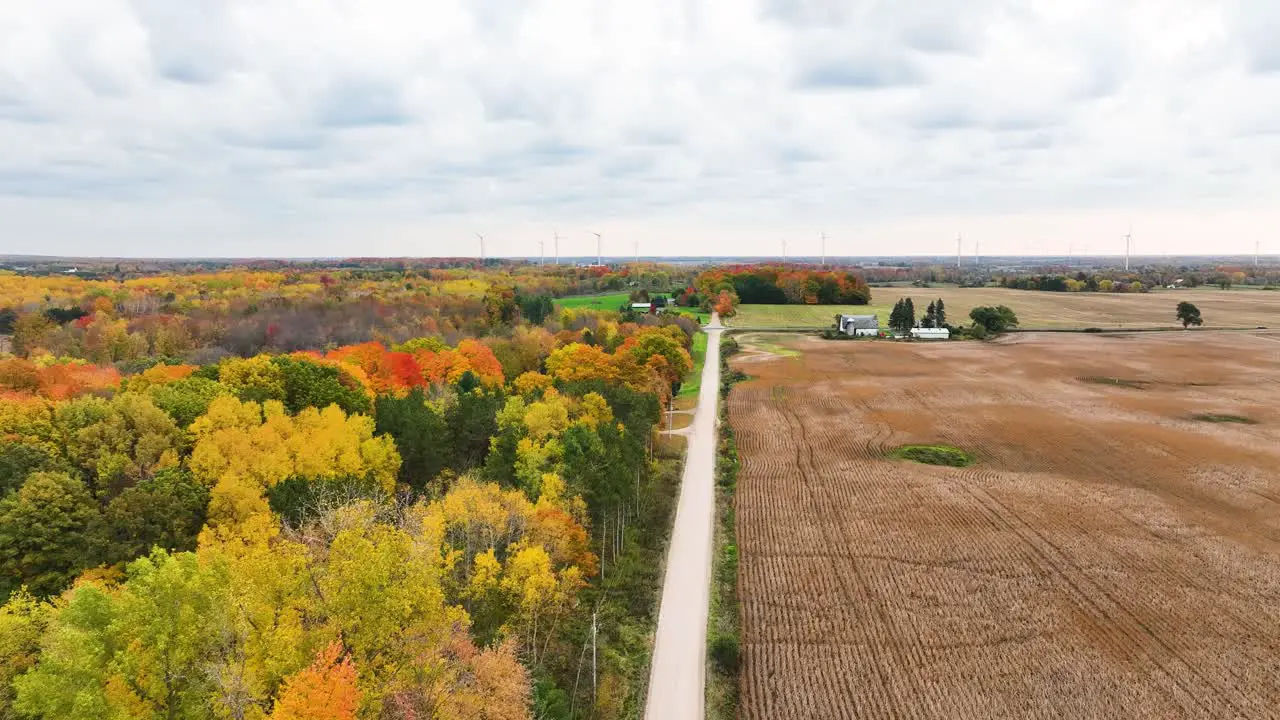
(242,448)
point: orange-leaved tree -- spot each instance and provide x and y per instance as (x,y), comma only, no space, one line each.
(326,690)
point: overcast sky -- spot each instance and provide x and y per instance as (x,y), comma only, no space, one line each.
(696,127)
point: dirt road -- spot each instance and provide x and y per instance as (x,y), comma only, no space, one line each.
(676,674)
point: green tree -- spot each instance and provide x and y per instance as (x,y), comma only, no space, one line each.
(46,532)
(309,384)
(1189,314)
(166,511)
(22,623)
(930,318)
(187,399)
(117,442)
(994,319)
(421,435)
(903,316)
(18,460)
(471,419)
(143,650)
(940,313)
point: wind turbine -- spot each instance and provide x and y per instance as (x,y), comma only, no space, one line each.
(557,241)
(824,250)
(1256,245)
(1128,238)
(636,246)
(481,247)
(784,250)
(598,255)
(959,239)
(542,252)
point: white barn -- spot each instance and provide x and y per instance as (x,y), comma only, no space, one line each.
(930,333)
(859,325)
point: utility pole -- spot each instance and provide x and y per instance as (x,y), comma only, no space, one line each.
(481,248)
(824,250)
(598,255)
(595,616)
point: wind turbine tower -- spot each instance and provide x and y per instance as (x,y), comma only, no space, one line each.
(824,250)
(557,247)
(1256,245)
(481,247)
(784,250)
(959,239)
(636,248)
(542,252)
(1128,238)
(599,256)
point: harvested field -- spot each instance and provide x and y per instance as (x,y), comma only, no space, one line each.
(1106,556)
(1039,310)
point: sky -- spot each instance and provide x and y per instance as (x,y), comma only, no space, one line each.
(320,128)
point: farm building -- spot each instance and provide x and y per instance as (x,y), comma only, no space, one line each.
(859,325)
(930,333)
(641,307)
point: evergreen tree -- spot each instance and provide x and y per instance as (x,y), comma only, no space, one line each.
(421,435)
(939,314)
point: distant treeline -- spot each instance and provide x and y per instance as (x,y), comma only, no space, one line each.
(782,285)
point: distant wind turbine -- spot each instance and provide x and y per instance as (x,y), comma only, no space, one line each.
(784,250)
(599,256)
(542,252)
(824,249)
(557,248)
(959,239)
(1128,239)
(481,247)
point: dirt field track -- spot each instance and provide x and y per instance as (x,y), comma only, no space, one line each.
(1107,556)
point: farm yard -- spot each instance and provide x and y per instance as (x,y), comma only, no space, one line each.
(1110,551)
(1039,310)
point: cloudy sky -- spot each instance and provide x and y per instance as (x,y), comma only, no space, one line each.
(401,127)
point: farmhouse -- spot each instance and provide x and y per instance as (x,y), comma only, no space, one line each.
(859,325)
(930,333)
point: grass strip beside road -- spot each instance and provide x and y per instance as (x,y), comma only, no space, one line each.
(693,381)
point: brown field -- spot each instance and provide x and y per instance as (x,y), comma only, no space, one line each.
(1041,310)
(1107,556)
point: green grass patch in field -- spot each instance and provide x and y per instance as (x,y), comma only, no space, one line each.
(611,302)
(693,382)
(1119,382)
(1223,418)
(934,455)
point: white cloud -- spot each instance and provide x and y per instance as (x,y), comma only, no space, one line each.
(336,127)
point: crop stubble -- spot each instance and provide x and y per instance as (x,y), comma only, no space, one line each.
(1108,555)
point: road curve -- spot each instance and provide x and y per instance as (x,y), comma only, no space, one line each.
(677,670)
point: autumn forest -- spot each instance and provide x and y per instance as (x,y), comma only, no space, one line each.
(332,493)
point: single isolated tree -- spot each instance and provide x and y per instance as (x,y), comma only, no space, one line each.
(1189,314)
